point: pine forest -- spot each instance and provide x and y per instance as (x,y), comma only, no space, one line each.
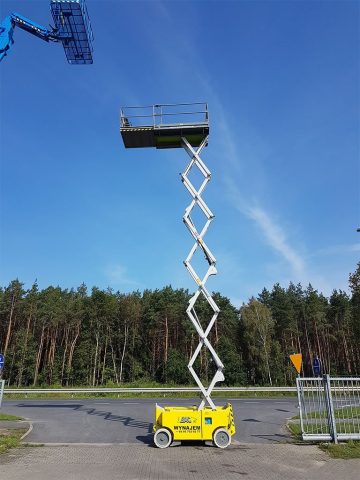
(78,337)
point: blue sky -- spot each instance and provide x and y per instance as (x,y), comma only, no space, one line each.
(282,82)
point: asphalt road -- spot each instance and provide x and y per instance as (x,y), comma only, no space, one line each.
(258,420)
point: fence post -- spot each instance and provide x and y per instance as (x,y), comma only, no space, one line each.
(301,403)
(330,408)
(2,385)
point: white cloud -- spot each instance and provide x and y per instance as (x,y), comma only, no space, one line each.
(276,238)
(274,235)
(118,276)
(248,203)
(338,249)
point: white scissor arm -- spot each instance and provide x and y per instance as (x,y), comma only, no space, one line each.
(197,201)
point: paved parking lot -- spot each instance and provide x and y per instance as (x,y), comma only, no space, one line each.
(258,420)
(139,462)
(116,443)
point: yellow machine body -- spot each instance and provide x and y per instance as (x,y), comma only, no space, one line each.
(190,423)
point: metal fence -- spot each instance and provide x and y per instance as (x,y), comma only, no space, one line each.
(2,386)
(329,408)
(140,390)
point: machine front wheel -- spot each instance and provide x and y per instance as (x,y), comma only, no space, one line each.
(222,438)
(162,438)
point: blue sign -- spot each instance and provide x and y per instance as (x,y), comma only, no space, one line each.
(317,366)
(1,360)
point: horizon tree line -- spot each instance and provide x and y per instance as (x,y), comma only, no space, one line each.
(73,337)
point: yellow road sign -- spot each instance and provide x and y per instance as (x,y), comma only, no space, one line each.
(296,359)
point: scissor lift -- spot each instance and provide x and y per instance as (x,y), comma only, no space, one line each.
(186,126)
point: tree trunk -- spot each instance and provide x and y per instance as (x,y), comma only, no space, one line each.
(38,357)
(52,354)
(126,330)
(267,363)
(64,355)
(104,362)
(24,350)
(114,363)
(71,353)
(166,341)
(8,334)
(95,360)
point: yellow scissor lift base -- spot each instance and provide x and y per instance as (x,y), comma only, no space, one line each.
(189,423)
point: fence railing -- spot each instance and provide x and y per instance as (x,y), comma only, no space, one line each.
(2,385)
(329,408)
(29,391)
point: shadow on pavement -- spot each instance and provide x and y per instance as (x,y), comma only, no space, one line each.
(275,437)
(147,439)
(74,406)
(125,420)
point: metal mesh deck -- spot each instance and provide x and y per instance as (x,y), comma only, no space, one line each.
(72,21)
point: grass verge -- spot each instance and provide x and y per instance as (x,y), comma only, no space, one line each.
(340,413)
(10,439)
(342,450)
(294,429)
(228,395)
(350,449)
(7,416)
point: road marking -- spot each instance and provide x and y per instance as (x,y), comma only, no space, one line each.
(235,399)
(28,431)
(101,403)
(242,400)
(131,403)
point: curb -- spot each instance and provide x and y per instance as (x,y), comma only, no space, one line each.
(28,431)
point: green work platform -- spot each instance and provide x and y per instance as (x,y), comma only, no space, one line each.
(163,126)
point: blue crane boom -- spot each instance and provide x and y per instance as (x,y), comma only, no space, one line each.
(72,29)
(8,25)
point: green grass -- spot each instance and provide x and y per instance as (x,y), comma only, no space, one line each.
(323,428)
(342,427)
(143,395)
(294,429)
(342,450)
(353,412)
(7,416)
(342,413)
(350,449)
(10,439)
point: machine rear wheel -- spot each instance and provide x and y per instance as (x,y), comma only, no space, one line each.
(222,438)
(162,438)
